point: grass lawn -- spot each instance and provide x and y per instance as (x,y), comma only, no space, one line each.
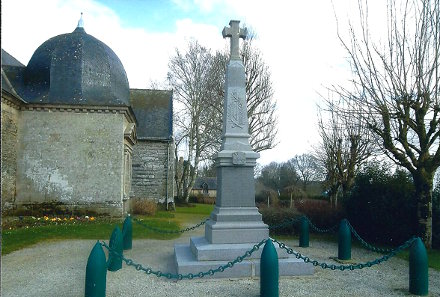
(433,258)
(182,217)
(32,231)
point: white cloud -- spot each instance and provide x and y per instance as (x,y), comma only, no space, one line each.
(207,5)
(298,42)
(144,54)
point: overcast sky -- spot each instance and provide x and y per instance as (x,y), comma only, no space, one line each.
(298,40)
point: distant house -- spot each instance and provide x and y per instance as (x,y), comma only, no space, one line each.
(205,186)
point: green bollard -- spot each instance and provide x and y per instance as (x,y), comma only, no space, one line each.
(96,273)
(344,241)
(418,268)
(114,261)
(127,233)
(304,233)
(269,274)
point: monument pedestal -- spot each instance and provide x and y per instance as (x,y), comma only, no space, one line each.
(201,256)
(235,225)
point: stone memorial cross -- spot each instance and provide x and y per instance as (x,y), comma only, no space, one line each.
(235,225)
(235,33)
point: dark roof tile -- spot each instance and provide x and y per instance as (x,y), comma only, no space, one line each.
(154,112)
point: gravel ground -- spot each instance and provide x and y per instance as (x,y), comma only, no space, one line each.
(58,269)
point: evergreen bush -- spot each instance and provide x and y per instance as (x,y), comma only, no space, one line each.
(381,206)
(273,216)
(436,217)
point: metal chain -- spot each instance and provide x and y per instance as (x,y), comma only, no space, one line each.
(366,244)
(158,230)
(319,230)
(274,227)
(180,276)
(346,267)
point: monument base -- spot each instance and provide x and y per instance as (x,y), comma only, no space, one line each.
(201,256)
(235,225)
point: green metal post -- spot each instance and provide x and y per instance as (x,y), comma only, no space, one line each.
(269,274)
(304,233)
(344,241)
(127,233)
(418,268)
(115,244)
(96,273)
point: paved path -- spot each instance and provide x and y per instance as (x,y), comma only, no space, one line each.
(58,269)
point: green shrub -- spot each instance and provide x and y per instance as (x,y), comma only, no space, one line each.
(202,199)
(50,208)
(274,216)
(144,207)
(319,212)
(381,206)
(436,217)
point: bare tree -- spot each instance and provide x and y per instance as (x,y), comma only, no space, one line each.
(261,105)
(278,176)
(396,90)
(345,146)
(307,168)
(189,76)
(197,78)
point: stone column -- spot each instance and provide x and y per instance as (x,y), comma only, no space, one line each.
(235,225)
(235,218)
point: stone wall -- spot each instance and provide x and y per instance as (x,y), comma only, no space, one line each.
(153,171)
(9,121)
(71,157)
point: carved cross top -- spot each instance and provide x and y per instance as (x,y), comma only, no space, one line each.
(235,32)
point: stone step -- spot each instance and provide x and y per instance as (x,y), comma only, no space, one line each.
(187,262)
(205,251)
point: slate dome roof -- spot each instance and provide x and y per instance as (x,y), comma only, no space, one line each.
(78,69)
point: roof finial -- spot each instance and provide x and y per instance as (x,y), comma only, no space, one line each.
(81,22)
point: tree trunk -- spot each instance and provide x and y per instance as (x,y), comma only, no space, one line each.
(423,182)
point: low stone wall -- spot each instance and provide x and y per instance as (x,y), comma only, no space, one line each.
(107,208)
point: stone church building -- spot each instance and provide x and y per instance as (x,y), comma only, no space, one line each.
(73,132)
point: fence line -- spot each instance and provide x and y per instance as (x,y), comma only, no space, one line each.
(288,222)
(97,264)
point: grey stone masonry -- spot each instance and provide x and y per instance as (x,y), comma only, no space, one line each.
(9,129)
(152,171)
(235,218)
(235,224)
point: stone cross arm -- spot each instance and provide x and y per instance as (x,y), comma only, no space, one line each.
(235,33)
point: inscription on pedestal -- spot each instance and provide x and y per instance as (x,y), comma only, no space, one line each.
(236,116)
(238,158)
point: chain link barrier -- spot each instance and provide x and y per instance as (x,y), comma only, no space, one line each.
(351,267)
(366,244)
(158,230)
(180,276)
(230,264)
(319,230)
(277,226)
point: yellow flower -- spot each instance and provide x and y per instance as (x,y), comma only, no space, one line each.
(46,218)
(72,219)
(92,219)
(53,220)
